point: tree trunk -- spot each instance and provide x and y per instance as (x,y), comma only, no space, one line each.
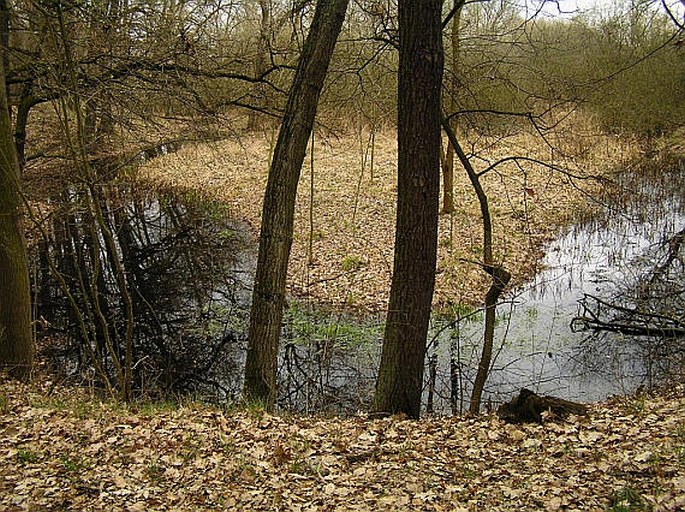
(5,44)
(500,276)
(279,202)
(500,279)
(261,63)
(26,103)
(448,160)
(16,339)
(400,378)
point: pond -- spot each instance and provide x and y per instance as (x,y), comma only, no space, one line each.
(189,272)
(172,269)
(536,346)
(608,257)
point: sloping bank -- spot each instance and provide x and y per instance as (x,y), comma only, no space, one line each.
(65,450)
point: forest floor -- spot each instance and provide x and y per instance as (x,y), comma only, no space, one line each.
(66,449)
(350,223)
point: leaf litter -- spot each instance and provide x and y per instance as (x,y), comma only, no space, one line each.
(353,210)
(66,449)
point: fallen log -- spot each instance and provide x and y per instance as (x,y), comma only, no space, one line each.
(529,407)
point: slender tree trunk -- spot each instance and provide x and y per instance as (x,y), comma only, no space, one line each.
(261,63)
(5,12)
(500,279)
(448,180)
(279,201)
(500,276)
(26,103)
(448,160)
(400,378)
(16,339)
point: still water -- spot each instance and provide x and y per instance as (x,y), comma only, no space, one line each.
(535,344)
(190,269)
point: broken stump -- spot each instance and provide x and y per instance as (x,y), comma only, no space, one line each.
(528,407)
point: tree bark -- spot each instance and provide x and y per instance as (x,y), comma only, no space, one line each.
(16,338)
(448,160)
(400,378)
(279,202)
(261,62)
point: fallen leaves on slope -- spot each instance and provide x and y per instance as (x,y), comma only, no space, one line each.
(71,451)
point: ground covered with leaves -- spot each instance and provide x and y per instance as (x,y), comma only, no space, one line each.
(344,221)
(64,449)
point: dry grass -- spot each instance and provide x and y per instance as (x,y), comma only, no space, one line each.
(354,213)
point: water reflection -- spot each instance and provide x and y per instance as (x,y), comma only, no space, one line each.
(188,272)
(328,361)
(538,349)
(180,268)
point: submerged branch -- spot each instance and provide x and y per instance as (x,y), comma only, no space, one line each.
(631,321)
(586,323)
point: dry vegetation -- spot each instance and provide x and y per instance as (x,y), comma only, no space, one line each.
(354,212)
(64,449)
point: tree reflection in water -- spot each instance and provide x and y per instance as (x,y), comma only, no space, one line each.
(186,271)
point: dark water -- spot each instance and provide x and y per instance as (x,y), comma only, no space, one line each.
(187,274)
(189,270)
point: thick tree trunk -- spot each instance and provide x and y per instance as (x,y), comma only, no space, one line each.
(400,376)
(279,202)
(16,339)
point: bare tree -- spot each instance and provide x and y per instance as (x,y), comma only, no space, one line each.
(452,88)
(279,201)
(400,378)
(16,339)
(500,276)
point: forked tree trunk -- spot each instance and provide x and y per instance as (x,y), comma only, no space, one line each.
(16,339)
(400,378)
(279,202)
